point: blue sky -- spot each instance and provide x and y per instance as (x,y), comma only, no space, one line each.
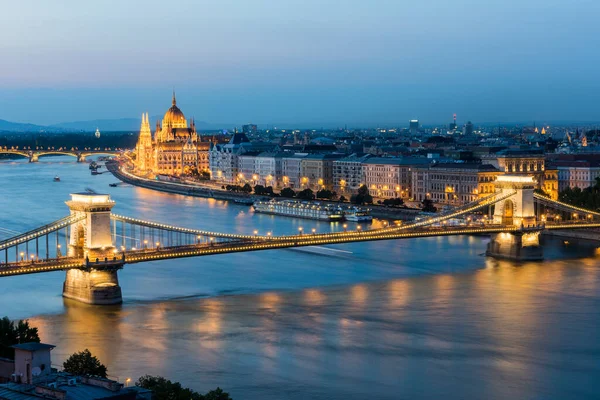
(301,61)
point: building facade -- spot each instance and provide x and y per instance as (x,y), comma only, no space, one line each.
(348,174)
(291,166)
(577,173)
(317,171)
(391,177)
(454,183)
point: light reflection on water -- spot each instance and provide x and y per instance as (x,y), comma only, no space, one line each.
(387,320)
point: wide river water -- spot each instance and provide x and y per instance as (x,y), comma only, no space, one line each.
(405,319)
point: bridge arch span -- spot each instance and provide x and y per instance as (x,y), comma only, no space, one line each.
(55,153)
(16,153)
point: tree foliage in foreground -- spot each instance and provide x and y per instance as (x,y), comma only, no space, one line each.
(84,363)
(164,389)
(15,332)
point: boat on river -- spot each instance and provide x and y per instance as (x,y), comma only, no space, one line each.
(357,214)
(300,209)
(56,178)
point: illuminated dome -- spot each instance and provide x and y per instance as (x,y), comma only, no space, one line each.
(174,117)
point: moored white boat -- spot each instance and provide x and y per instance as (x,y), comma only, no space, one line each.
(300,209)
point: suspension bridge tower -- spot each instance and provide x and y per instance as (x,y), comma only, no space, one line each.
(516,210)
(96,282)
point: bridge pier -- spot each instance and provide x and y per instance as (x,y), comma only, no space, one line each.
(33,158)
(93,286)
(80,157)
(519,246)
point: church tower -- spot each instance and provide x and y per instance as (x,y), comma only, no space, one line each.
(144,152)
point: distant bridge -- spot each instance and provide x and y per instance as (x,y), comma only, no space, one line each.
(92,243)
(34,155)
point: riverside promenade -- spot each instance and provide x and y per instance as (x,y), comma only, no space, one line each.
(116,168)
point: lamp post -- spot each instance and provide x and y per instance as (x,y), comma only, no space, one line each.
(300,230)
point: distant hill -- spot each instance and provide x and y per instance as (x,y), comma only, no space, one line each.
(124,124)
(7,126)
(104,125)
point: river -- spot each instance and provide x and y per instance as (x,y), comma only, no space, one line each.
(419,318)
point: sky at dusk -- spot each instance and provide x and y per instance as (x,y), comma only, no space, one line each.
(301,61)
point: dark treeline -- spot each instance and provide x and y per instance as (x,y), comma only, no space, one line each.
(588,198)
(69,140)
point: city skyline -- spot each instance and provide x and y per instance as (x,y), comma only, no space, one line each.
(305,62)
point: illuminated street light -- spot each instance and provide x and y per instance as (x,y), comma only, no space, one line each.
(345,226)
(314,231)
(300,230)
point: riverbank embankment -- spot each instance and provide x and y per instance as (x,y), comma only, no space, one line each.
(404,214)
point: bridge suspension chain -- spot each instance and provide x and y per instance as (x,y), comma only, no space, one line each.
(166,227)
(41,231)
(563,206)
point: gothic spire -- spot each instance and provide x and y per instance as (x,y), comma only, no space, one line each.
(174,100)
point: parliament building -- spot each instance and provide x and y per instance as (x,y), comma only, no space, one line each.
(175,149)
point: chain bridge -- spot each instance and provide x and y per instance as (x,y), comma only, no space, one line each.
(91,244)
(34,155)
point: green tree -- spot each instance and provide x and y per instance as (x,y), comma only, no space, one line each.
(84,363)
(288,192)
(259,189)
(362,197)
(306,194)
(396,202)
(205,175)
(247,188)
(588,198)
(428,206)
(12,333)
(325,194)
(342,199)
(164,389)
(217,394)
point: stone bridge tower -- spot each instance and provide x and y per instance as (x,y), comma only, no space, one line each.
(90,239)
(516,210)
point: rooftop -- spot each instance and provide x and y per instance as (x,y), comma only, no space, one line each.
(33,346)
(468,166)
(399,161)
